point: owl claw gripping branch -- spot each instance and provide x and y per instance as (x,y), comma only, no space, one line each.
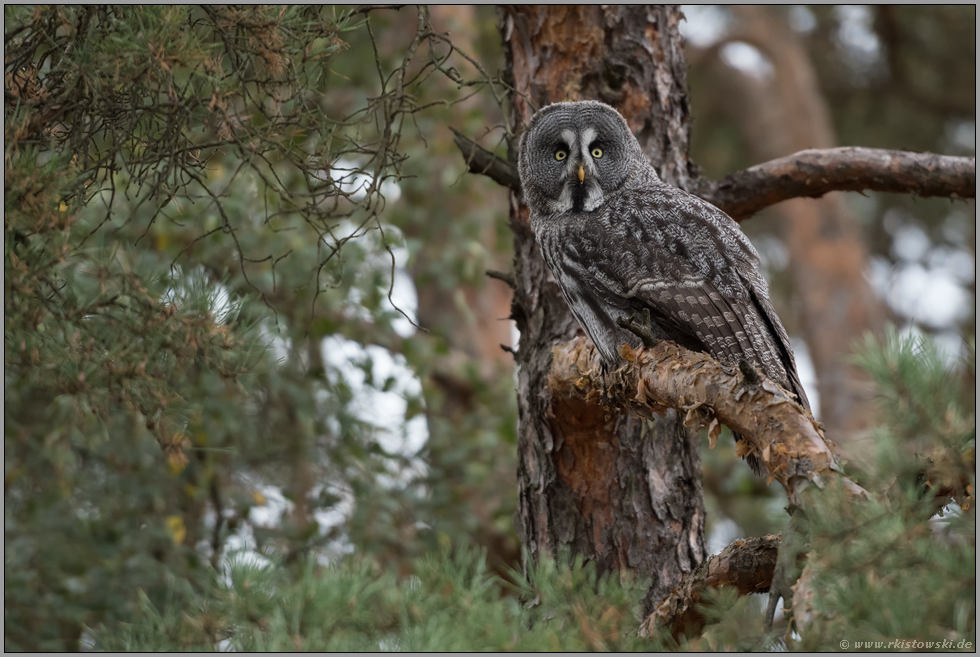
(643,328)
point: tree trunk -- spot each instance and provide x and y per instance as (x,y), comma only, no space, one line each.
(611,487)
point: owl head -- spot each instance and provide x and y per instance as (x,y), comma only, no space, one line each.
(573,155)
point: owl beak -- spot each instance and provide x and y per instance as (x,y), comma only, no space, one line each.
(581,173)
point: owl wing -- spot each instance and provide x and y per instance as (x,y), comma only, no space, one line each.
(780,339)
(727,328)
(691,265)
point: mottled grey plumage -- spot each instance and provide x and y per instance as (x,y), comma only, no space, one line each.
(618,240)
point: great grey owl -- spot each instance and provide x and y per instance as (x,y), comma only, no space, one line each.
(619,240)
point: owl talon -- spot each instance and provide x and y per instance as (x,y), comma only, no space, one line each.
(751,375)
(642,328)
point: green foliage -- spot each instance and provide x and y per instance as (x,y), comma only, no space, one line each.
(929,404)
(201,239)
(110,372)
(451,603)
(901,565)
(193,201)
(884,570)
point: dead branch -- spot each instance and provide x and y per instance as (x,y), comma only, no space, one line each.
(480,160)
(787,438)
(806,174)
(504,276)
(813,173)
(746,564)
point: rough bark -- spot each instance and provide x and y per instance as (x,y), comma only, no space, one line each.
(790,443)
(667,378)
(615,488)
(746,564)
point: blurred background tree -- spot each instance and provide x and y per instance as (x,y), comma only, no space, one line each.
(211,337)
(769,81)
(223,227)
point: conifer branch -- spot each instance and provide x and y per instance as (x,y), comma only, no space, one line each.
(789,441)
(480,160)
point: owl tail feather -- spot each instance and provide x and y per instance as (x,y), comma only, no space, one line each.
(754,460)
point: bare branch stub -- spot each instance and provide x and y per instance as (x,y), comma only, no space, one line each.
(813,173)
(746,564)
(480,160)
(504,276)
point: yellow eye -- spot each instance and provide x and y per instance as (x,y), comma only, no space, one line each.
(560,155)
(597,153)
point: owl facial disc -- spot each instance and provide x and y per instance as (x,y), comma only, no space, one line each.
(575,157)
(582,192)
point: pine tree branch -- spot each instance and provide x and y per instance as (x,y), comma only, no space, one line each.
(806,174)
(746,564)
(813,173)
(787,438)
(480,160)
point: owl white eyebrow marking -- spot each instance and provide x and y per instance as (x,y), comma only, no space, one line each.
(588,136)
(570,166)
(595,196)
(569,138)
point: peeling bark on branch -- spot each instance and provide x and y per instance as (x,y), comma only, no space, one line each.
(746,564)
(668,378)
(787,438)
(815,172)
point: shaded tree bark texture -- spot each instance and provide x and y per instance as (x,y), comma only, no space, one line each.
(617,489)
(827,254)
(746,564)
